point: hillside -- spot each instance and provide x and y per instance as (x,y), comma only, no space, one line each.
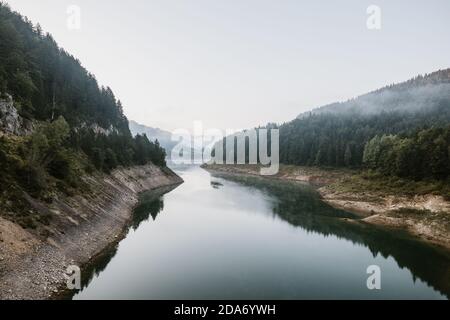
(401,130)
(57,125)
(407,125)
(70,170)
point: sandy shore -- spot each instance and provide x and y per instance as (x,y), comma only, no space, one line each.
(426,217)
(33,266)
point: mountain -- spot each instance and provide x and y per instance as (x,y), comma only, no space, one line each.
(399,130)
(402,129)
(417,94)
(56,123)
(163,137)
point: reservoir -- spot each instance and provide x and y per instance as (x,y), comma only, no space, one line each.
(225,237)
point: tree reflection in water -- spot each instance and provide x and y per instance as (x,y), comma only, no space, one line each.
(300,205)
(151,203)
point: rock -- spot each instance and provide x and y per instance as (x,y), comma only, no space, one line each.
(10,121)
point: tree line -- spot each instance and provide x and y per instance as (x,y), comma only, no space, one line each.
(389,139)
(49,86)
(339,140)
(421,155)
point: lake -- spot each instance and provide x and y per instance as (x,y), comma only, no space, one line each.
(224,237)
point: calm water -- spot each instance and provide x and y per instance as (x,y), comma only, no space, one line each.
(227,238)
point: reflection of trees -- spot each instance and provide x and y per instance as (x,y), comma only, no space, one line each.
(96,266)
(425,262)
(301,206)
(290,197)
(216,185)
(150,204)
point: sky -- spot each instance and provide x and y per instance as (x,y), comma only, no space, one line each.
(243,63)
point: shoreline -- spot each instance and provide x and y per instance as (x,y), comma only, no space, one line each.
(84,228)
(425,218)
(89,268)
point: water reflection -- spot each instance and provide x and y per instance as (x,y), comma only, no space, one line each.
(216,184)
(300,205)
(228,237)
(289,198)
(150,204)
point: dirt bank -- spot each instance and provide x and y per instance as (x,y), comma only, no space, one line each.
(33,266)
(426,217)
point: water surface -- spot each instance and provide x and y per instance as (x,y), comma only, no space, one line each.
(219,237)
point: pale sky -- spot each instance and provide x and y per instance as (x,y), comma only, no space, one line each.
(243,63)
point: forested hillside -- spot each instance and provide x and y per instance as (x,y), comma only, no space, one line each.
(339,140)
(337,135)
(401,130)
(57,123)
(46,81)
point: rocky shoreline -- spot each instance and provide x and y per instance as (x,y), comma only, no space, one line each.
(81,229)
(424,217)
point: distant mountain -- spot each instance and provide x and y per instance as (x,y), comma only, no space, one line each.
(164,137)
(417,94)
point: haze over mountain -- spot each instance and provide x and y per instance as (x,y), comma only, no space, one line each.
(402,129)
(164,137)
(420,93)
(339,134)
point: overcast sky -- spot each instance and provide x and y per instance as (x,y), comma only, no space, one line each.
(242,63)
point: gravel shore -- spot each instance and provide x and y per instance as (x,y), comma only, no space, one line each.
(81,228)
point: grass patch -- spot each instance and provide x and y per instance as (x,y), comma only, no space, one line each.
(373,182)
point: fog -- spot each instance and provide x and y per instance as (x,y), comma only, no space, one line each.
(393,99)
